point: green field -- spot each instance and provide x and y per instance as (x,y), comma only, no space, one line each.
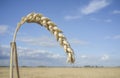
(63,72)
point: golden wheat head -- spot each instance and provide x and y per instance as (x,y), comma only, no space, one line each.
(49,25)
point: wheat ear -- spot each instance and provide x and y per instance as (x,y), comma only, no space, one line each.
(49,25)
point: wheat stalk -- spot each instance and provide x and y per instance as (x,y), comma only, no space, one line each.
(49,25)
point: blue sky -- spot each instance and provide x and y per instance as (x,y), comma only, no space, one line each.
(92,27)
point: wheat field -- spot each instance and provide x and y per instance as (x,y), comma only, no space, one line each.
(27,72)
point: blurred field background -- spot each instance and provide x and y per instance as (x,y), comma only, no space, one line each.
(54,72)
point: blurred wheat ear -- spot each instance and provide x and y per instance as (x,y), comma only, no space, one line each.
(49,25)
(52,27)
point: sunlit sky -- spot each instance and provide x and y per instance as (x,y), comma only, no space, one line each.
(92,27)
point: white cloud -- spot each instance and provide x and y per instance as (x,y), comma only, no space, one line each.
(116,12)
(116,37)
(101,20)
(107,37)
(78,42)
(94,6)
(95,19)
(113,37)
(3,29)
(108,20)
(34,53)
(83,56)
(105,57)
(44,41)
(4,50)
(55,56)
(69,17)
